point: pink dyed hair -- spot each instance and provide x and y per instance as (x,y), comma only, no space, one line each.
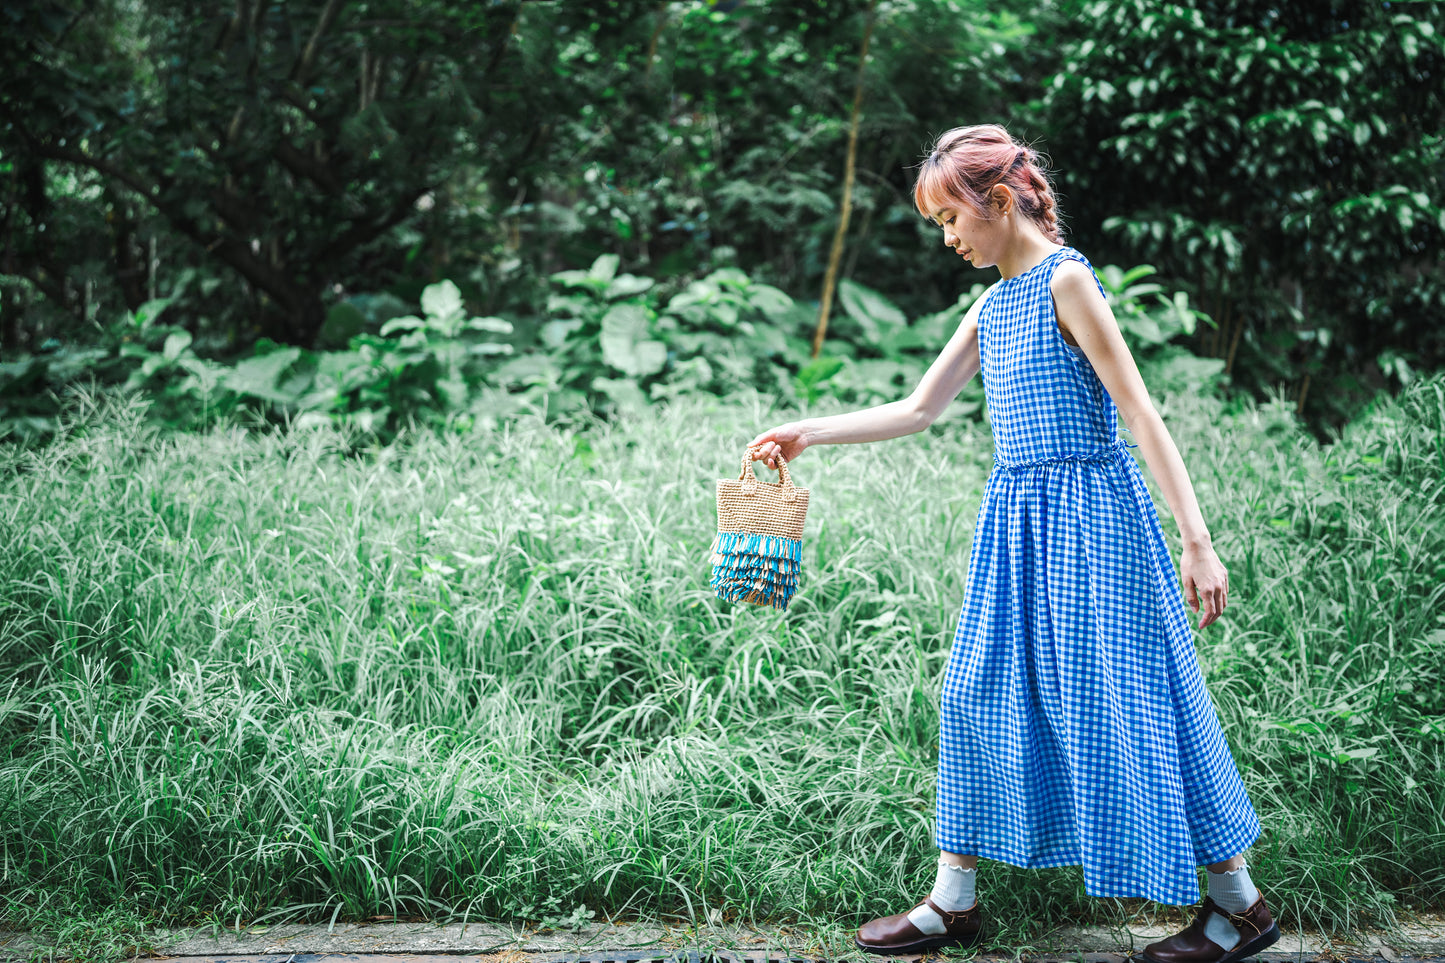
(967,163)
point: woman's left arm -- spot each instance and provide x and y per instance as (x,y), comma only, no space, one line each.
(1085,315)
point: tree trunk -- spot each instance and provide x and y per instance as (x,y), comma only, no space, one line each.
(10,308)
(127,267)
(660,19)
(296,323)
(835,256)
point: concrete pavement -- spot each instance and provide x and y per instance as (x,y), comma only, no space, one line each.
(617,942)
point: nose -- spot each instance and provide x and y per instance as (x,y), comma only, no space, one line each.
(949,238)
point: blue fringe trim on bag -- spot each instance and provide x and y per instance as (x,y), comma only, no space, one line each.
(761,569)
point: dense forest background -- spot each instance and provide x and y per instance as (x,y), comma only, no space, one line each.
(294,174)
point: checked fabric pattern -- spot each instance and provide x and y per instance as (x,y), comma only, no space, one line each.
(1075,728)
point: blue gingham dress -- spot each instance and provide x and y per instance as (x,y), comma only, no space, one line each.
(1075,728)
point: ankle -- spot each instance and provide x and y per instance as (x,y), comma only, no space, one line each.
(1232,891)
(953,888)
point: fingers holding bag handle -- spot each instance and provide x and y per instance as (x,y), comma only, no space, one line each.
(785,441)
(749,456)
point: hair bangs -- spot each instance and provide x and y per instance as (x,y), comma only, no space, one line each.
(941,184)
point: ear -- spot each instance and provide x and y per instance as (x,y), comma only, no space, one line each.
(1001,199)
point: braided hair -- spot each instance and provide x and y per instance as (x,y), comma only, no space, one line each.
(967,163)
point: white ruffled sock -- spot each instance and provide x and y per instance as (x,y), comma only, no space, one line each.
(952,891)
(1233,891)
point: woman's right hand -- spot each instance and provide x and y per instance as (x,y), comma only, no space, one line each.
(788,440)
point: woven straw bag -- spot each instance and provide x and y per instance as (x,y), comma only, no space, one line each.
(757,554)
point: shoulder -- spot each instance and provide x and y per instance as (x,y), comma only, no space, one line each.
(1074,280)
(1071,272)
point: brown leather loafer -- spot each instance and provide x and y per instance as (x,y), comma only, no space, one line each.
(1256,927)
(896,935)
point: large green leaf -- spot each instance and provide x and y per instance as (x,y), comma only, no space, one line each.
(869,308)
(149,312)
(490,325)
(442,302)
(409,322)
(604,269)
(176,342)
(555,333)
(343,322)
(258,377)
(624,393)
(531,370)
(626,344)
(626,285)
(773,303)
(819,370)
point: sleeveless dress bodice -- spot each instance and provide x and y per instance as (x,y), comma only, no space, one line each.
(1044,400)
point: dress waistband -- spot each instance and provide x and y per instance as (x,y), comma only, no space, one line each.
(1091,456)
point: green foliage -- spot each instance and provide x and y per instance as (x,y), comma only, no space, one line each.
(504,144)
(1153,324)
(609,345)
(1281,162)
(517,139)
(71,928)
(727,331)
(728,150)
(137,352)
(417,369)
(1358,516)
(277,151)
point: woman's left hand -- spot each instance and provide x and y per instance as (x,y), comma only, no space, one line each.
(1205,581)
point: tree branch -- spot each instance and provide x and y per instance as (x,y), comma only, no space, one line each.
(308,55)
(362,231)
(419,70)
(232,30)
(229,249)
(227,204)
(301,165)
(506,40)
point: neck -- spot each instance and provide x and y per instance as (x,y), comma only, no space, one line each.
(1026,248)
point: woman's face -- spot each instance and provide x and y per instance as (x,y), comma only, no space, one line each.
(976,239)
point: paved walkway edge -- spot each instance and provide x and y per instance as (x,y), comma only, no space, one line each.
(740,942)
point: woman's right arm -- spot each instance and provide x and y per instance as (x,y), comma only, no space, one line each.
(945,378)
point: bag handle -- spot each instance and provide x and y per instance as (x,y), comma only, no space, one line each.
(750,481)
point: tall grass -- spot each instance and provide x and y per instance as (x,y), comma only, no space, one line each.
(266,675)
